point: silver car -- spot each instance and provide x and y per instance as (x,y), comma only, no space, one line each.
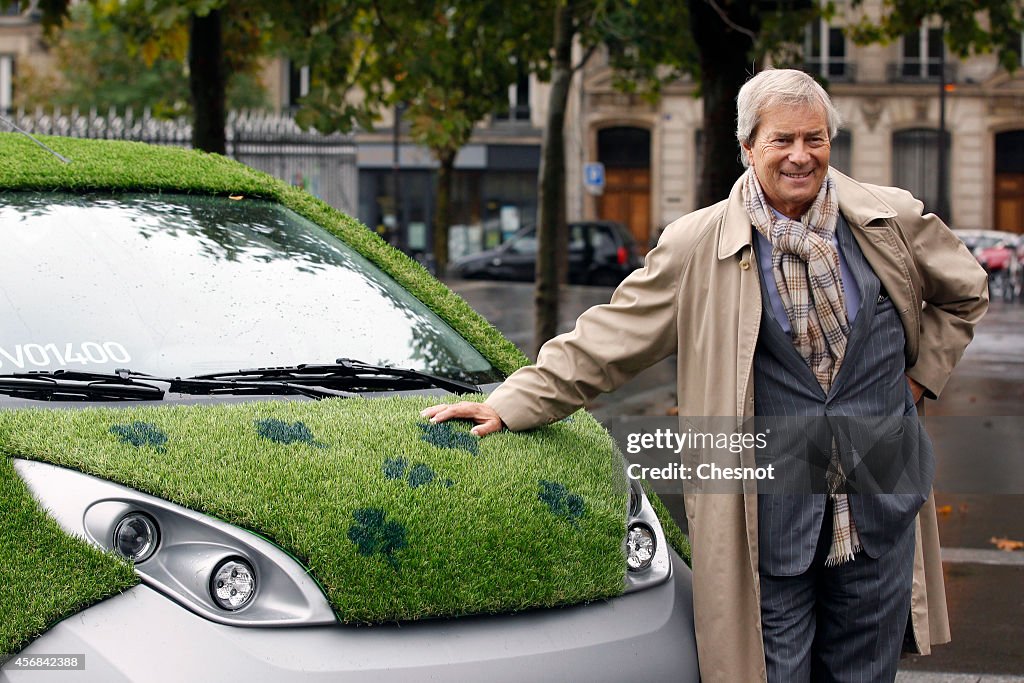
(177,293)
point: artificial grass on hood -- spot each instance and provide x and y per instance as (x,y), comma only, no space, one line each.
(396,518)
(45,575)
(552,500)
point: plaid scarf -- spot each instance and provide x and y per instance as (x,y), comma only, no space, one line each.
(805,264)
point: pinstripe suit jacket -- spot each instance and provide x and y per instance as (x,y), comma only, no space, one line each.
(869,383)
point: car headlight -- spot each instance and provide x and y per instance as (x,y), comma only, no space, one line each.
(233,584)
(210,567)
(648,562)
(640,547)
(136,537)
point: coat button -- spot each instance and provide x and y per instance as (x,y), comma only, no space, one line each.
(745,264)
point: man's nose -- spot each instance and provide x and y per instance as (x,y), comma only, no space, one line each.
(799,152)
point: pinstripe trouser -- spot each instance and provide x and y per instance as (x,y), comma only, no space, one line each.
(841,623)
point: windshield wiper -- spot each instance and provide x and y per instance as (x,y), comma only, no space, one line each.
(122,385)
(345,379)
(71,385)
(211,385)
(353,375)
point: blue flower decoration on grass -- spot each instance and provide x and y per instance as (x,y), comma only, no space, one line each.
(140,434)
(561,502)
(283,432)
(443,436)
(394,468)
(373,535)
(418,475)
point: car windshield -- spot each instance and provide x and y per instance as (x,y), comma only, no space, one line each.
(524,242)
(178,285)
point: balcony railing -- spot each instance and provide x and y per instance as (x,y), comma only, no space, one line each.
(833,70)
(519,112)
(920,71)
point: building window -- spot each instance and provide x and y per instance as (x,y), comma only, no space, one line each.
(825,51)
(297,85)
(13,8)
(915,165)
(6,82)
(518,100)
(921,55)
(841,154)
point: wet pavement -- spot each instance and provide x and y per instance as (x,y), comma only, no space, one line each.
(984,586)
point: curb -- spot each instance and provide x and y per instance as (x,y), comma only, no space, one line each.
(949,677)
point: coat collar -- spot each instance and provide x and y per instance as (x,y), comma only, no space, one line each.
(856,202)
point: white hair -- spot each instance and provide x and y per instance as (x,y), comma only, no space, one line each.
(773,87)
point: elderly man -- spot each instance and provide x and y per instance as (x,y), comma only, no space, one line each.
(804,293)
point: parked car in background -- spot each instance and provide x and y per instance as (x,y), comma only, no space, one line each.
(600,253)
(999,253)
(213,466)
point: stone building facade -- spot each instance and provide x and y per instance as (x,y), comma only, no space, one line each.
(889,97)
(21,49)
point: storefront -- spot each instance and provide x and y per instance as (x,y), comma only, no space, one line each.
(494,194)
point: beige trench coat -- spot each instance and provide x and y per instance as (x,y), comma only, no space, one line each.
(698,295)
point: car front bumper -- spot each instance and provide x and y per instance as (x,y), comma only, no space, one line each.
(142,636)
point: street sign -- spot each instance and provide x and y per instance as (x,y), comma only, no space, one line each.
(593,177)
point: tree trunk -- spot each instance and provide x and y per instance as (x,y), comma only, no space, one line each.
(207,82)
(442,211)
(552,230)
(724,67)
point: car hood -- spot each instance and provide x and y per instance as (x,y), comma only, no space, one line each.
(459,525)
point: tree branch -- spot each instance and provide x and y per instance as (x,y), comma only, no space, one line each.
(586,57)
(730,23)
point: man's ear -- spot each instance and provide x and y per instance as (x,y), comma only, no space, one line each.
(748,152)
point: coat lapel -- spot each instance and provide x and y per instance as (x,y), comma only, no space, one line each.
(868,286)
(734,244)
(870,221)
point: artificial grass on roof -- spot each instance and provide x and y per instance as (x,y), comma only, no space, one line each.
(396,518)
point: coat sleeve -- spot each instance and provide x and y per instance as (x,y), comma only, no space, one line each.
(953,290)
(609,345)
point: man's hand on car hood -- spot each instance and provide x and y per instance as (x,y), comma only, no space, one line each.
(486,419)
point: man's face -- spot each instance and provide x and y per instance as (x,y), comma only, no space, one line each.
(790,156)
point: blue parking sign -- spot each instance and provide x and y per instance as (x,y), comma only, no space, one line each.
(593,175)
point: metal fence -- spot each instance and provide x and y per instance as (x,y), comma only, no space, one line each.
(324,165)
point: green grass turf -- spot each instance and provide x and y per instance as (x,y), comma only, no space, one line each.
(456,585)
(673,534)
(395,519)
(45,575)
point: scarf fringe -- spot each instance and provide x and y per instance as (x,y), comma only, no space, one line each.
(835,561)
